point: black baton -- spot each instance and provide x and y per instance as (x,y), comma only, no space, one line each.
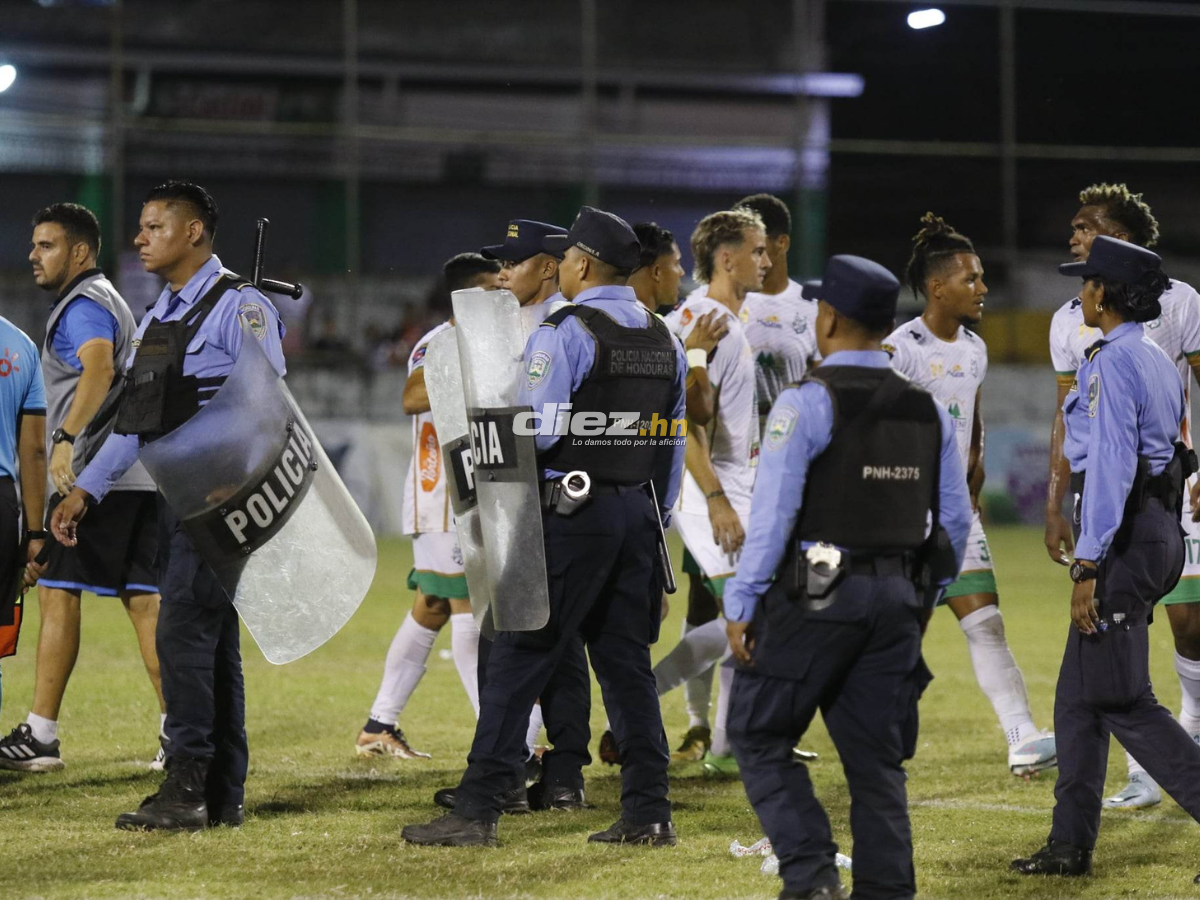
(664,558)
(295,291)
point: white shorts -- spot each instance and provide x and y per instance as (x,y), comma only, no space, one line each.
(696,531)
(438,565)
(1188,589)
(978,575)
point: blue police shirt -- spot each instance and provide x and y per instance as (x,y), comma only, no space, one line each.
(211,354)
(83,320)
(21,390)
(1131,401)
(783,469)
(564,356)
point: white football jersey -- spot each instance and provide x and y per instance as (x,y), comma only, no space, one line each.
(781,330)
(426,500)
(1177,331)
(950,370)
(733,433)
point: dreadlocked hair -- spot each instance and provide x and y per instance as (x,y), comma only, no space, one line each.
(1125,208)
(933,245)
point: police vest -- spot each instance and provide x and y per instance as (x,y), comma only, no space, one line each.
(873,487)
(634,374)
(158,397)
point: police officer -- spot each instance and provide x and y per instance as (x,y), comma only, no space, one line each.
(1127,472)
(183,350)
(604,354)
(527,269)
(823,612)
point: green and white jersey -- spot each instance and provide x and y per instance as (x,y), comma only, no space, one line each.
(782,332)
(950,370)
(1177,331)
(426,500)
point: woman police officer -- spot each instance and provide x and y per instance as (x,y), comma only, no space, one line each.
(1128,470)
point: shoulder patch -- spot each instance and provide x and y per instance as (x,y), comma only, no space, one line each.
(780,426)
(539,365)
(419,354)
(1093,394)
(254,316)
(889,349)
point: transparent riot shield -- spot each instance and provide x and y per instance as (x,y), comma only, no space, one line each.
(266,509)
(444,384)
(491,347)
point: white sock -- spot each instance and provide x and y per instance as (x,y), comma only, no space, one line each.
(720,740)
(464,644)
(1189,682)
(162,724)
(1135,767)
(403,668)
(694,655)
(44,730)
(697,692)
(535,728)
(997,672)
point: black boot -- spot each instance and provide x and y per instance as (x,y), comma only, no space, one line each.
(827,892)
(231,815)
(1056,858)
(656,834)
(179,804)
(514,802)
(556,796)
(452,831)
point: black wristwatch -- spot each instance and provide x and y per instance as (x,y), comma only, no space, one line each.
(36,534)
(1081,573)
(58,436)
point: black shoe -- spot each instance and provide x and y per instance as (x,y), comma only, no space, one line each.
(825,892)
(452,831)
(608,752)
(657,834)
(515,801)
(21,751)
(544,796)
(229,816)
(179,804)
(533,770)
(1056,858)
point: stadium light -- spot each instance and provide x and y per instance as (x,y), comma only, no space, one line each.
(8,74)
(925,18)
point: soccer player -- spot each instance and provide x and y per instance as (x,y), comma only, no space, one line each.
(730,252)
(437,577)
(780,322)
(1113,210)
(939,353)
(89,337)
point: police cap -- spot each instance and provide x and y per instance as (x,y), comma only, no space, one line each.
(857,288)
(602,234)
(1115,259)
(523,240)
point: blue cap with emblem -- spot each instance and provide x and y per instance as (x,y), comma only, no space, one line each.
(1115,259)
(857,288)
(605,236)
(523,240)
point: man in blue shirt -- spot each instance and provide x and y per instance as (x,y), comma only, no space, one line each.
(1128,471)
(22,440)
(823,612)
(601,365)
(89,338)
(198,316)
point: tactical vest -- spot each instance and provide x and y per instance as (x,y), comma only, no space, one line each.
(158,397)
(873,487)
(634,372)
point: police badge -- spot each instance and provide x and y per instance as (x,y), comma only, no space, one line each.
(1093,394)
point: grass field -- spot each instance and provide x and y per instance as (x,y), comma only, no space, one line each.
(321,824)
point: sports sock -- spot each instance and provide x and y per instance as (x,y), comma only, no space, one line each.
(997,672)
(1189,682)
(162,724)
(44,730)
(697,692)
(1135,767)
(693,655)
(720,740)
(535,728)
(403,668)
(464,644)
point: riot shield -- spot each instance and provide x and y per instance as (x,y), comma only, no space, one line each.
(444,384)
(491,347)
(266,510)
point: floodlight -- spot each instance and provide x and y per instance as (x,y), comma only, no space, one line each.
(926,18)
(8,74)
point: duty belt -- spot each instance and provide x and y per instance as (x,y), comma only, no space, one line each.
(569,493)
(897,564)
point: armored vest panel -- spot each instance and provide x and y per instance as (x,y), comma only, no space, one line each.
(873,487)
(158,397)
(633,375)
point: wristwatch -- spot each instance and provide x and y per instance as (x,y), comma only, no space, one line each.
(1081,573)
(37,534)
(58,436)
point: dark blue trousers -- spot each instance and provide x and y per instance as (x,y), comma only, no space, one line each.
(1104,685)
(605,595)
(858,662)
(201,663)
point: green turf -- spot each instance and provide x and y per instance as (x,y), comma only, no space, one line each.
(322,824)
